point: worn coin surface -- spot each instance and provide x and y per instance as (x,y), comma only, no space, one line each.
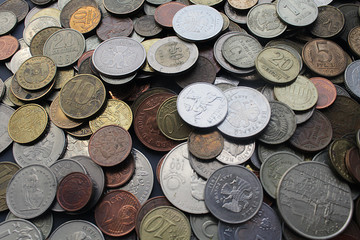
(352,80)
(352,160)
(8,46)
(146,26)
(8,169)
(6,113)
(26,95)
(58,117)
(125,8)
(235,152)
(111,26)
(8,21)
(70,7)
(77,229)
(354,41)
(264,151)
(39,39)
(234,15)
(329,22)
(204,226)
(13,228)
(18,58)
(118,175)
(164,13)
(49,11)
(204,168)
(205,145)
(85,19)
(37,25)
(242,4)
(351,14)
(19,7)
(297,13)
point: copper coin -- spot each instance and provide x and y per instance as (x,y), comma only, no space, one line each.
(110,145)
(164,14)
(147,206)
(207,51)
(145,125)
(324,57)
(58,117)
(352,161)
(158,168)
(8,46)
(115,213)
(74,191)
(146,26)
(313,135)
(84,56)
(112,26)
(137,90)
(205,145)
(344,115)
(121,173)
(326,92)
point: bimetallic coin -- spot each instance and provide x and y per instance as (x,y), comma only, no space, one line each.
(328,15)
(235,152)
(38,189)
(319,186)
(14,228)
(352,80)
(8,21)
(77,229)
(8,169)
(233,194)
(297,13)
(85,19)
(125,8)
(37,25)
(6,113)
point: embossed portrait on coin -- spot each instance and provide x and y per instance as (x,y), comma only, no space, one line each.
(242,113)
(236,195)
(33,194)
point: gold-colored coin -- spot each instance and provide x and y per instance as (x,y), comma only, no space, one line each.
(38,41)
(59,118)
(242,4)
(82,131)
(63,75)
(85,19)
(226,22)
(49,12)
(82,96)
(337,152)
(206,2)
(169,121)
(7,170)
(301,95)
(147,44)
(27,123)
(116,112)
(36,73)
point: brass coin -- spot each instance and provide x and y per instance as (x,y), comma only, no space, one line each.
(85,19)
(39,39)
(63,75)
(27,123)
(329,23)
(170,122)
(59,118)
(116,112)
(354,40)
(71,7)
(82,131)
(242,4)
(337,153)
(147,44)
(82,96)
(8,169)
(36,73)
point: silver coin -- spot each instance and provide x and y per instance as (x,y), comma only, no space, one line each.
(142,181)
(303,116)
(5,112)
(235,153)
(19,58)
(292,50)
(204,226)
(44,222)
(30,14)
(202,105)
(274,167)
(341,91)
(352,79)
(172,55)
(92,42)
(19,229)
(62,3)
(177,176)
(61,168)
(313,201)
(118,56)
(228,79)
(117,80)
(197,23)
(322,157)
(204,167)
(76,147)
(149,9)
(44,152)
(37,25)
(322,2)
(6,99)
(8,21)
(264,151)
(248,113)
(96,174)
(77,230)
(234,15)
(2,89)
(297,12)
(224,86)
(268,92)
(64,47)
(31,191)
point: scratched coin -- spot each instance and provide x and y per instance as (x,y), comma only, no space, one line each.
(297,13)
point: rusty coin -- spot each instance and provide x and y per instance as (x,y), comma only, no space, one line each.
(115,214)
(74,191)
(112,26)
(110,145)
(326,92)
(205,145)
(121,173)
(164,14)
(8,46)
(58,117)
(352,161)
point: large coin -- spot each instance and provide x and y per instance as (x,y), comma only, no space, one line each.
(82,96)
(13,228)
(77,229)
(248,113)
(6,113)
(119,56)
(315,183)
(297,13)
(8,169)
(233,194)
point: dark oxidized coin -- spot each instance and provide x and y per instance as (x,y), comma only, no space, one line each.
(321,28)
(352,160)
(26,95)
(38,41)
(112,26)
(337,153)
(121,173)
(205,145)
(19,7)
(340,91)
(146,26)
(351,14)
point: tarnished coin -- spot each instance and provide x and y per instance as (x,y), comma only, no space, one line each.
(328,14)
(118,175)
(297,13)
(282,124)
(205,145)
(146,26)
(242,4)
(204,168)
(326,92)
(298,100)
(38,189)
(197,23)
(19,7)
(12,229)
(352,161)
(354,41)
(37,25)
(125,8)
(351,14)
(233,194)
(85,19)
(337,153)
(8,21)
(27,123)
(18,58)
(164,13)
(58,117)
(64,47)
(274,167)
(39,39)
(70,7)
(204,226)
(111,26)
(63,75)
(77,229)
(116,212)
(264,151)
(6,113)
(352,80)
(118,56)
(235,152)
(92,42)
(180,224)
(171,55)
(277,65)
(248,113)
(234,15)
(358,138)
(263,21)
(8,46)
(82,96)
(326,190)
(8,169)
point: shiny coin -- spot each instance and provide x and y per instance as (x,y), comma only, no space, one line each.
(328,14)
(64,47)
(11,229)
(109,57)
(248,113)
(8,21)
(235,153)
(38,190)
(27,123)
(37,25)
(85,19)
(8,169)
(326,91)
(164,13)
(352,79)
(205,145)
(58,117)
(8,46)
(19,7)
(171,55)
(39,39)
(146,26)
(6,113)
(297,13)
(117,9)
(77,229)
(233,194)
(82,96)
(197,23)
(111,26)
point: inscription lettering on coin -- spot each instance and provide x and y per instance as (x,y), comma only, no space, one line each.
(85,19)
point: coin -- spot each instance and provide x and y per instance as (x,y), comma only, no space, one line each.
(82,96)
(85,19)
(146,26)
(352,159)
(205,145)
(340,91)
(8,21)
(264,151)
(326,190)
(242,4)
(204,226)
(130,7)
(71,7)
(58,117)
(164,13)
(297,13)
(12,228)
(326,91)
(235,15)
(147,44)
(353,40)
(337,153)
(328,14)
(115,214)
(18,58)
(204,168)
(157,2)
(77,229)
(19,7)
(111,26)
(6,113)
(8,169)
(351,14)
(49,11)
(118,175)
(248,113)
(6,98)
(39,39)
(197,23)
(64,47)
(37,25)
(351,79)
(233,194)
(8,46)
(207,51)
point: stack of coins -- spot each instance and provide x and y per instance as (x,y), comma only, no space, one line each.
(247,112)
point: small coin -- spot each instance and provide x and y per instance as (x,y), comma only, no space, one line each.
(352,160)
(165,13)
(85,19)
(118,175)
(37,25)
(146,26)
(205,145)
(352,80)
(49,11)
(77,229)
(118,9)
(18,58)
(11,229)
(8,21)
(39,39)
(8,169)
(297,13)
(8,46)
(6,98)
(111,26)
(328,14)
(337,153)
(234,15)
(71,7)
(326,91)
(19,7)
(149,9)
(235,152)
(204,168)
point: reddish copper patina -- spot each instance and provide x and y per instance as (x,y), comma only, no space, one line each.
(121,173)
(8,46)
(165,13)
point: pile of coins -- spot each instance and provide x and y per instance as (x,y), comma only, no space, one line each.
(247,110)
